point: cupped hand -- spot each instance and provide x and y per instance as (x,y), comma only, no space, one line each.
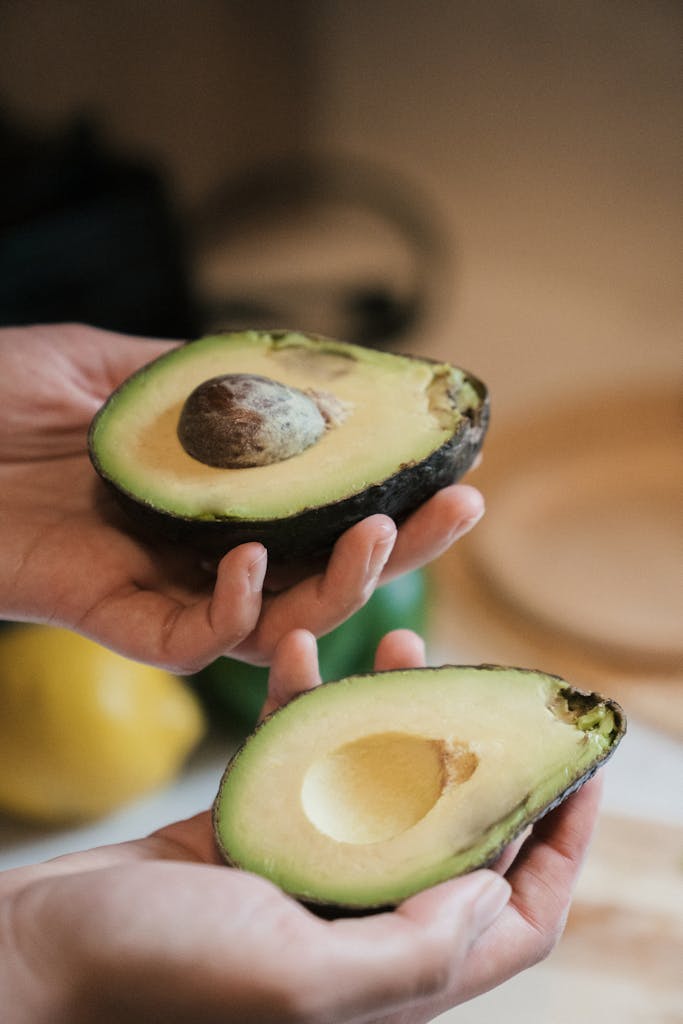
(67,557)
(158,930)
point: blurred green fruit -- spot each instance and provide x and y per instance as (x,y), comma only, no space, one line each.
(234,692)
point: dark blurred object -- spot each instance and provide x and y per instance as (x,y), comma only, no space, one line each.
(326,245)
(86,235)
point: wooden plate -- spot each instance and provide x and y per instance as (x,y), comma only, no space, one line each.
(584,533)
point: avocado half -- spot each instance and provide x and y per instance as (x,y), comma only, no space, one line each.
(362,792)
(283,438)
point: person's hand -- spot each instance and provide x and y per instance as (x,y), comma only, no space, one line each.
(158,930)
(67,558)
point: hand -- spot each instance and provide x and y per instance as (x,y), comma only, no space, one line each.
(67,557)
(157,930)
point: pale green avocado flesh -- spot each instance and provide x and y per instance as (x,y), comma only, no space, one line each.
(393,410)
(364,791)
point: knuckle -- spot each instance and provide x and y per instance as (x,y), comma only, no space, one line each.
(545,939)
(436,971)
(551,939)
(236,636)
(291,1004)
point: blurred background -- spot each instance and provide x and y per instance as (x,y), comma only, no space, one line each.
(493,184)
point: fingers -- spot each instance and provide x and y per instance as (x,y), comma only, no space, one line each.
(216,625)
(543,878)
(149,625)
(507,858)
(99,359)
(122,355)
(414,954)
(545,873)
(400,649)
(356,563)
(234,619)
(294,669)
(190,839)
(322,602)
(431,530)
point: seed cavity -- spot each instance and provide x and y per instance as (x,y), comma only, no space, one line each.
(377,787)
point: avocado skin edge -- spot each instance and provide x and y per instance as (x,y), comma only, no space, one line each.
(331,910)
(313,531)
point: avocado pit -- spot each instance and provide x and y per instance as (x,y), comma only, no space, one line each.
(240,420)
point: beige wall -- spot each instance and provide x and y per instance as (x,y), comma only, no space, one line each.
(548,134)
(546,137)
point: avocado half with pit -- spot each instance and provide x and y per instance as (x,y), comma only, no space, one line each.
(283,438)
(362,792)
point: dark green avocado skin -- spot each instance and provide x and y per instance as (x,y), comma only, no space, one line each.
(312,532)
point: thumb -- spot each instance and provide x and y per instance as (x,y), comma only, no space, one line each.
(465,906)
(124,354)
(416,952)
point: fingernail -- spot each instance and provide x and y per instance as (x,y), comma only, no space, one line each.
(465,525)
(256,573)
(489,900)
(380,553)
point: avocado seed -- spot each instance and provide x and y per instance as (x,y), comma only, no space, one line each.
(242,419)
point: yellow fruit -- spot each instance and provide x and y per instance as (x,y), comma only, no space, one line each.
(83,730)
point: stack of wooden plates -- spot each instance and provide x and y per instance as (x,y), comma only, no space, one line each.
(577,564)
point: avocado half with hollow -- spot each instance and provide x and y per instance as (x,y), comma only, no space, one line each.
(362,792)
(283,438)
